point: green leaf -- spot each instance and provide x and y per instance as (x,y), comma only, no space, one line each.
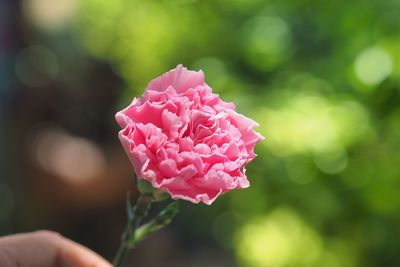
(161,220)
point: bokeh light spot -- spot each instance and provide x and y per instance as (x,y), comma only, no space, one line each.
(267,41)
(50,15)
(307,122)
(75,160)
(331,162)
(373,65)
(277,240)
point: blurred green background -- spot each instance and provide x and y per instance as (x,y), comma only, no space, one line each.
(321,77)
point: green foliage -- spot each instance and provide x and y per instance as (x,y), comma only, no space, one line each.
(321,78)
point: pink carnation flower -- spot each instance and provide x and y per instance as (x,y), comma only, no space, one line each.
(185,140)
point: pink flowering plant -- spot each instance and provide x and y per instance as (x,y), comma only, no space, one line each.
(185,142)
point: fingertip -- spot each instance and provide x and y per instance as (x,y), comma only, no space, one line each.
(48,235)
(46,249)
(71,254)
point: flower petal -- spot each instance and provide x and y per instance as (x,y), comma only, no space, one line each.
(180,78)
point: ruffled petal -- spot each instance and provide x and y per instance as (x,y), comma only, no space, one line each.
(180,78)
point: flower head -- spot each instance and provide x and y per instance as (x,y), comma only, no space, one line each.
(185,140)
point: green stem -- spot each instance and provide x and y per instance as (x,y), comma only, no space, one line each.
(134,232)
(121,256)
(135,216)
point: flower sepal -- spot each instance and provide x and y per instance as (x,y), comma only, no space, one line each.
(145,188)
